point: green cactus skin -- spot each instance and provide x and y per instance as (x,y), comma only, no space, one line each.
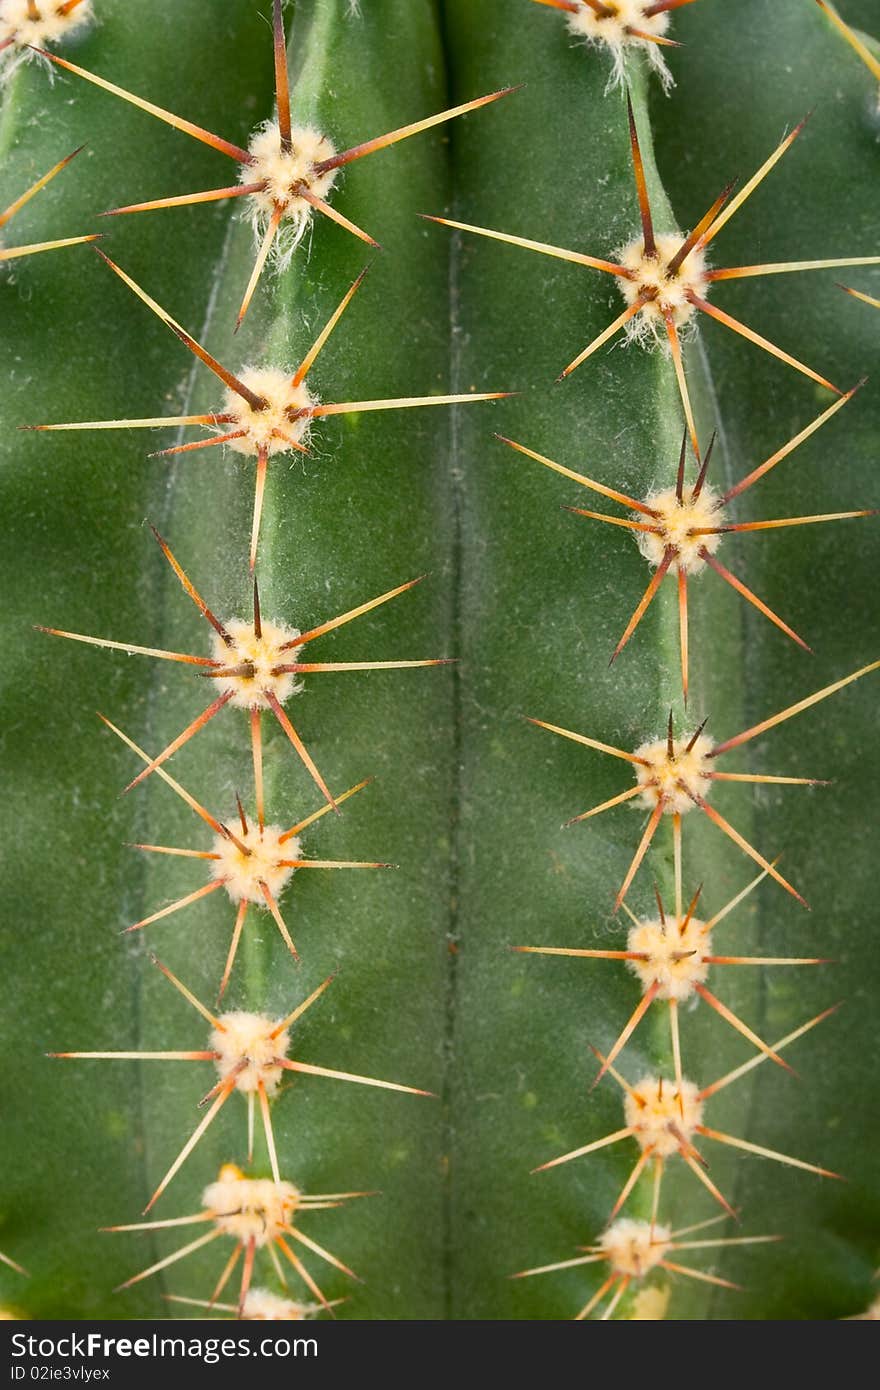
(468,798)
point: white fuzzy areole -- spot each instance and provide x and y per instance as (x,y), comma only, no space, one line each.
(674,780)
(676,959)
(247,1037)
(241,874)
(635,1247)
(612,28)
(262,1306)
(250,1208)
(612,31)
(284,173)
(676,522)
(652,1109)
(283,402)
(16,23)
(668,292)
(261,655)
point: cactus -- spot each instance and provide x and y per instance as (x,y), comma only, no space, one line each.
(463,794)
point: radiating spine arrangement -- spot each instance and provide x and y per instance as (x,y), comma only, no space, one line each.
(249,853)
(664,280)
(256,665)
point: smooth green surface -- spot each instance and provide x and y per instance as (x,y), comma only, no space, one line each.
(468,799)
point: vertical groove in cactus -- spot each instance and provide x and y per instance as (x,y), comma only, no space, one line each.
(468,798)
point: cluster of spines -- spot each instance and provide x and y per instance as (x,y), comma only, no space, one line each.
(677,530)
(256,665)
(27,23)
(668,537)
